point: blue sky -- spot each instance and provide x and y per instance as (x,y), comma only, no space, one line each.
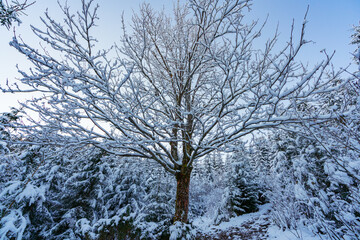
(329,26)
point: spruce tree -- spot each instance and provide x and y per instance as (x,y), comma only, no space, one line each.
(156,216)
(244,186)
(242,193)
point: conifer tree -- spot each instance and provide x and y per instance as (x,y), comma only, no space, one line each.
(355,39)
(244,189)
(156,216)
(242,193)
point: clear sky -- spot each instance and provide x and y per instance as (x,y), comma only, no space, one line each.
(329,26)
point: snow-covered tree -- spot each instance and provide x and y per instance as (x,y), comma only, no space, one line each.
(76,193)
(244,189)
(20,197)
(155,218)
(355,38)
(261,150)
(242,192)
(9,13)
(309,186)
(291,171)
(356,41)
(6,123)
(340,140)
(181,86)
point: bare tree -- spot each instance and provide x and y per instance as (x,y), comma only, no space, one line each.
(180,86)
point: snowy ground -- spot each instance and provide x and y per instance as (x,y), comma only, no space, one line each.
(249,226)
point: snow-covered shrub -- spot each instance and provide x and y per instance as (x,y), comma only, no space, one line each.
(207,186)
(6,124)
(182,231)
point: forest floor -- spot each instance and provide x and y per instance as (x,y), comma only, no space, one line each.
(252,226)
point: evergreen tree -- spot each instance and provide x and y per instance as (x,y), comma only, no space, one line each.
(6,124)
(355,39)
(22,200)
(307,188)
(156,216)
(242,192)
(73,193)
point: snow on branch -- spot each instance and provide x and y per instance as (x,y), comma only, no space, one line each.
(179,87)
(9,13)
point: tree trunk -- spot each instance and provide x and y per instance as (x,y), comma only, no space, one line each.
(182,195)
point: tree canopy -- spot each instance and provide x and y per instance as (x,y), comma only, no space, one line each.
(177,86)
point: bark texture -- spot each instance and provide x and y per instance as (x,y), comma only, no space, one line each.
(182,195)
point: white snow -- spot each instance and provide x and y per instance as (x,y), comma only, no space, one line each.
(84,227)
(275,233)
(14,223)
(205,225)
(32,193)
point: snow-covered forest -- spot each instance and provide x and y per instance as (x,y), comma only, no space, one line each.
(182,130)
